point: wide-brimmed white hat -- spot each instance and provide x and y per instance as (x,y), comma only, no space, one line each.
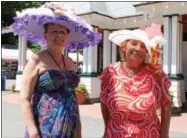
(120,36)
(153,46)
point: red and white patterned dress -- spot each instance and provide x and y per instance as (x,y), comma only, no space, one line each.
(132,103)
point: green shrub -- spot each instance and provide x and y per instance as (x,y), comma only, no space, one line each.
(171,95)
(13,88)
(82,88)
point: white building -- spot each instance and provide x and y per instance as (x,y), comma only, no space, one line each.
(106,17)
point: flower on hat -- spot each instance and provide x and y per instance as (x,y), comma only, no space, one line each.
(153,30)
(60,9)
(155,45)
(156,41)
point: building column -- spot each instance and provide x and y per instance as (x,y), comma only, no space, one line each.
(180,45)
(85,60)
(95,49)
(106,49)
(65,52)
(183,96)
(167,47)
(24,53)
(19,53)
(176,74)
(95,55)
(90,76)
(22,46)
(175,45)
(114,53)
(91,58)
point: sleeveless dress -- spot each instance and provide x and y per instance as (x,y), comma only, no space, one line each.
(132,103)
(54,104)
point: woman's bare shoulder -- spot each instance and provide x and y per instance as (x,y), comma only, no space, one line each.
(37,57)
(34,59)
(68,59)
(37,60)
(113,66)
(42,54)
(40,57)
(69,63)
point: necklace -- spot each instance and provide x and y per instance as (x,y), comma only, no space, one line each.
(129,72)
(64,65)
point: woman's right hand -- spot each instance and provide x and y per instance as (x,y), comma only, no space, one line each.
(34,134)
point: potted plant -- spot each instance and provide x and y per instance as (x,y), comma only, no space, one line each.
(81,93)
(13,88)
(171,96)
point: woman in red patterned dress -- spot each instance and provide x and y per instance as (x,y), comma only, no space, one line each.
(132,90)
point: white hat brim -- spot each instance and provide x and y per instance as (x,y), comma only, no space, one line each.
(118,37)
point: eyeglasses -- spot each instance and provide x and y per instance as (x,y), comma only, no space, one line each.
(62,32)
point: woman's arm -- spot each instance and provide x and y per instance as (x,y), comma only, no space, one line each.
(105,114)
(30,76)
(165,120)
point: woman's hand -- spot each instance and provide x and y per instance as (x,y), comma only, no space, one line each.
(78,134)
(33,133)
(162,136)
(165,120)
(105,113)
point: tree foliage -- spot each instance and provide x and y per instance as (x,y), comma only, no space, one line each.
(9,9)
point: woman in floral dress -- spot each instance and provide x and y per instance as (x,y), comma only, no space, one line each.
(132,90)
(47,97)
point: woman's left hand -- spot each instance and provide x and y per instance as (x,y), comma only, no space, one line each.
(78,134)
(164,136)
(165,120)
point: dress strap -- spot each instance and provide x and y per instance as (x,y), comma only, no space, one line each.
(64,63)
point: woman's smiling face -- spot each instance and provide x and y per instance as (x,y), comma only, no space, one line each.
(135,50)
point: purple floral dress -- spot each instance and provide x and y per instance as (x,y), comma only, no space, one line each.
(54,104)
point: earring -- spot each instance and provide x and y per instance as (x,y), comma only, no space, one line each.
(123,57)
(146,59)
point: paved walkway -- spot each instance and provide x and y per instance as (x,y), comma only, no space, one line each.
(91,118)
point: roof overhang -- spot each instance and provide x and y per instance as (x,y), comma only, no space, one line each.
(6,30)
(111,23)
(145,3)
(147,13)
(162,8)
